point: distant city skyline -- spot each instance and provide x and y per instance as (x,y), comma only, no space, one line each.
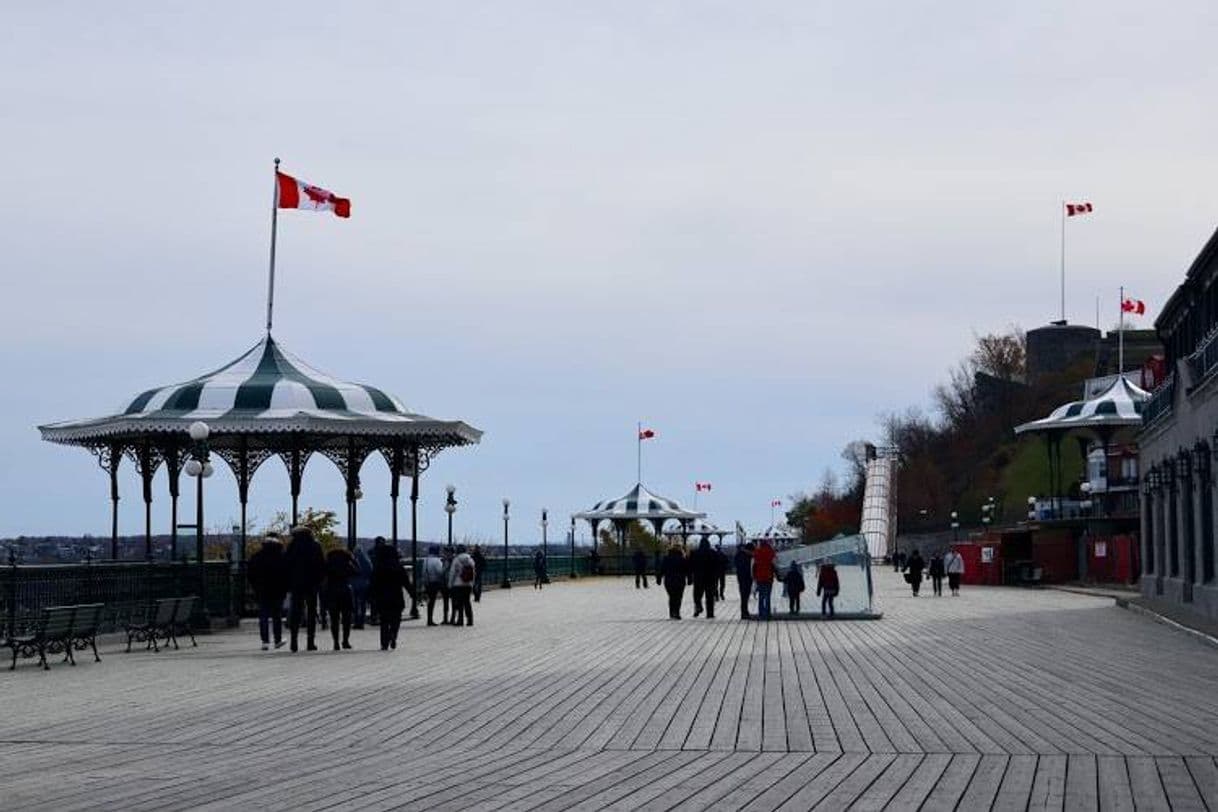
(754,229)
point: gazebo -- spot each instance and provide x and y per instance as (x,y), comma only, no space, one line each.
(637,505)
(267,403)
(701,529)
(1116,406)
(778,534)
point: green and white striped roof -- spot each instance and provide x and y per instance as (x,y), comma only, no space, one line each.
(1120,404)
(638,503)
(266,389)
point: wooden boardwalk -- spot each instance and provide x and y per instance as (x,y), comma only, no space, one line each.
(586,697)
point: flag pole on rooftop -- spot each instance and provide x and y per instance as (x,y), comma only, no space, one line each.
(270,290)
(1121,334)
(1063,260)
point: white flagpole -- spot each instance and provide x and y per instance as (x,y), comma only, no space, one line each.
(695,496)
(1062,206)
(1121,333)
(270,289)
(638,434)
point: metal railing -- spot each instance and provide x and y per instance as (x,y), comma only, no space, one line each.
(124,588)
(1160,402)
(1204,359)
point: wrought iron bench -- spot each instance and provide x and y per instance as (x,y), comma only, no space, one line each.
(60,628)
(165,618)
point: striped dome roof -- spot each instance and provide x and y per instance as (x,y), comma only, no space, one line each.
(1120,404)
(699,527)
(778,532)
(267,380)
(265,391)
(638,503)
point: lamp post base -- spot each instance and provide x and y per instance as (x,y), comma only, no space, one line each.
(506,585)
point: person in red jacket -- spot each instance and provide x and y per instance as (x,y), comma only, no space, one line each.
(827,587)
(763,577)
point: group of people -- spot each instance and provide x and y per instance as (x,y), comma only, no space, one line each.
(350,583)
(706,568)
(949,565)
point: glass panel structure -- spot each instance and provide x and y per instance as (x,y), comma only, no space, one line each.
(849,556)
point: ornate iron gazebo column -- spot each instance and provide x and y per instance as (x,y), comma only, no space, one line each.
(295,475)
(146,460)
(173,471)
(108,457)
(414,533)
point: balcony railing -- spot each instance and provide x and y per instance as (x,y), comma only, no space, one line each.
(1160,402)
(1204,359)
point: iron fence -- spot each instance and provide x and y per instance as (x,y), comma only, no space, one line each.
(1160,402)
(125,588)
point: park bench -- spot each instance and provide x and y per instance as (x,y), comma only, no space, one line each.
(165,618)
(60,628)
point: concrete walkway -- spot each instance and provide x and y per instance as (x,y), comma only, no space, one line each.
(585,696)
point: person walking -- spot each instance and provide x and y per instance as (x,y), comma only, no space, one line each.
(639,560)
(340,572)
(479,567)
(305,566)
(935,571)
(953,565)
(674,572)
(539,569)
(827,587)
(793,582)
(763,576)
(268,577)
(461,575)
(445,590)
(724,565)
(913,571)
(744,576)
(359,585)
(704,568)
(386,586)
(433,579)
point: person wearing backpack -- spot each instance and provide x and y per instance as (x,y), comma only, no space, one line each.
(793,582)
(461,575)
(827,586)
(433,580)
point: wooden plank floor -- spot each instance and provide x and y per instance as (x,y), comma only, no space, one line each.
(585,696)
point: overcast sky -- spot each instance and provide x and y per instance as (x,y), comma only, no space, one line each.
(754,227)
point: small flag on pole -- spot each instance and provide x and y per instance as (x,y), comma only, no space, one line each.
(646,434)
(1073,209)
(296,194)
(702,486)
(1135,307)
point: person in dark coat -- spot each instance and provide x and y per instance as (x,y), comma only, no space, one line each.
(936,573)
(827,586)
(724,566)
(914,566)
(306,568)
(340,571)
(793,581)
(385,591)
(359,586)
(674,572)
(268,577)
(479,567)
(539,569)
(744,576)
(639,559)
(594,562)
(704,569)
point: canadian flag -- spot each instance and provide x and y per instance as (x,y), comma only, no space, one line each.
(296,194)
(1077,208)
(1135,306)
(702,486)
(646,434)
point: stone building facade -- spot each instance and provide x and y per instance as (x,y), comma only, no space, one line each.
(1178,444)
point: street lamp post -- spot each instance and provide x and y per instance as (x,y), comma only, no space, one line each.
(1031,508)
(1085,505)
(545,550)
(955,527)
(450,507)
(572,547)
(199,467)
(507,582)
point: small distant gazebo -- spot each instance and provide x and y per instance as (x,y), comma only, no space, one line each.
(267,403)
(1117,406)
(778,534)
(700,529)
(637,505)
